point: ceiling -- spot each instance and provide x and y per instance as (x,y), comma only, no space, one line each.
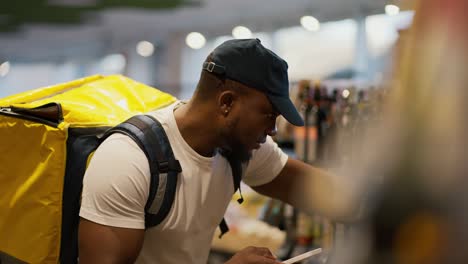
(37,30)
(16,13)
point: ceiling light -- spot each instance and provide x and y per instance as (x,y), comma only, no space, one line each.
(114,63)
(145,48)
(310,23)
(241,32)
(195,40)
(392,10)
(345,93)
(4,68)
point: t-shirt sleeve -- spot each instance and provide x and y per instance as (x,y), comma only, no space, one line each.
(116,184)
(266,163)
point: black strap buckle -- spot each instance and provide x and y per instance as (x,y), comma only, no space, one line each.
(170,165)
(214,68)
(210,66)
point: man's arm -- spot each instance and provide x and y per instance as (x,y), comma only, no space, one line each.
(106,244)
(312,190)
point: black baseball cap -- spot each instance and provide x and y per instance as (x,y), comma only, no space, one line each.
(247,61)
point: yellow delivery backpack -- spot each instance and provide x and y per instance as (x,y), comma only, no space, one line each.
(47,136)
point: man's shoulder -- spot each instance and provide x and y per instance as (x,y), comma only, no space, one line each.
(164,114)
(268,154)
(268,147)
(161,113)
(121,143)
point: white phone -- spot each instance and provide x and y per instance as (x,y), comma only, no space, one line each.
(308,254)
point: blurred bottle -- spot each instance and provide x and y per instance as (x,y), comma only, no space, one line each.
(290,227)
(305,137)
(304,235)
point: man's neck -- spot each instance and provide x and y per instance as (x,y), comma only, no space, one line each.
(199,134)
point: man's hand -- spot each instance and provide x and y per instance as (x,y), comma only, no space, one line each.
(253,255)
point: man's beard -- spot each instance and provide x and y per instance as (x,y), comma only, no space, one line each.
(240,152)
(236,151)
(234,148)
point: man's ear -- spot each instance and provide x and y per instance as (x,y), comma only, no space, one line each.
(226,100)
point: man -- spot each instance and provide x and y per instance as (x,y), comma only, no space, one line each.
(243,88)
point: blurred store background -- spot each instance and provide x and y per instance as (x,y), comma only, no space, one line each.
(162,42)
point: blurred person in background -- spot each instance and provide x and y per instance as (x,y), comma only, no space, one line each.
(418,152)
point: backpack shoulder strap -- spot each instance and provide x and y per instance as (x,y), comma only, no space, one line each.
(150,136)
(236,168)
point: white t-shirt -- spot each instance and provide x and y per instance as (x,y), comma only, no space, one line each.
(116,187)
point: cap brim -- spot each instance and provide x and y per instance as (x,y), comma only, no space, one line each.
(287,109)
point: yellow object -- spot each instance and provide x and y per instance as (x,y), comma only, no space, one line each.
(94,101)
(42,133)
